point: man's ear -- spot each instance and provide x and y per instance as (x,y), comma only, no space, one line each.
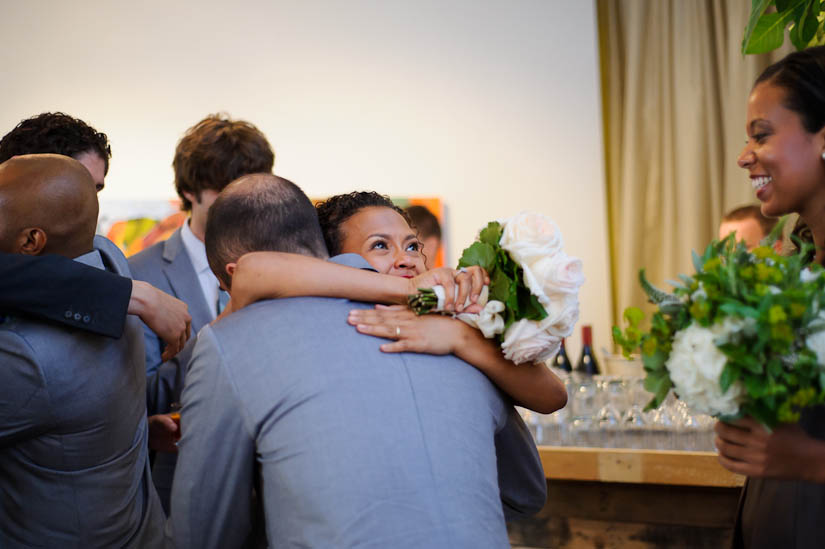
(192,197)
(31,241)
(230,270)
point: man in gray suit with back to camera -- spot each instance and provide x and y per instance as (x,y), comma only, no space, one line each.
(345,445)
(74,470)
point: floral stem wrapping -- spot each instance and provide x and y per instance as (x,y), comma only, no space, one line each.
(532,301)
(742,336)
(424,301)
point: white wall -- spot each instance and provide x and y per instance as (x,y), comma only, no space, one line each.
(492,105)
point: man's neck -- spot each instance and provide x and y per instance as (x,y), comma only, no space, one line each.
(197,226)
(70,252)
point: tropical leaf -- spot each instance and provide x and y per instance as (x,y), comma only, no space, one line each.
(769,31)
(758,8)
(806,24)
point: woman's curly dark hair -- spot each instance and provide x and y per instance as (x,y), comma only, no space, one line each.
(333,211)
(55,133)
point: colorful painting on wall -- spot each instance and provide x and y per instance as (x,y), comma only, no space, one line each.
(134,225)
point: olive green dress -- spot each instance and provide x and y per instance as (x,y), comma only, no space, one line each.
(784,514)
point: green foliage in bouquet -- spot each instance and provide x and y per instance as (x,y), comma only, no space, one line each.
(506,277)
(763,291)
(506,280)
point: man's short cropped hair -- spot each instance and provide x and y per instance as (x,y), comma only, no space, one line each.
(751,212)
(216,151)
(256,213)
(424,222)
(55,133)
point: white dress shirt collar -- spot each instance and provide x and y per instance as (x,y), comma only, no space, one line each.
(196,251)
(92,259)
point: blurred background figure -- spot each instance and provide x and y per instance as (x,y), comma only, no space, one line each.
(748,223)
(429,232)
(211,154)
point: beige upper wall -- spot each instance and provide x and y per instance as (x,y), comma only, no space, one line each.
(493,106)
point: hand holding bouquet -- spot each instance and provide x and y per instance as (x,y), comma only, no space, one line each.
(742,336)
(532,302)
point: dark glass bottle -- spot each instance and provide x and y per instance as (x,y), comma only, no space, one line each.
(562,362)
(587,363)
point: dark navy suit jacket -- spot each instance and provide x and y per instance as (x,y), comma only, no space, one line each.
(55,288)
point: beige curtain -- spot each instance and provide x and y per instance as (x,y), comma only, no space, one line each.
(675,87)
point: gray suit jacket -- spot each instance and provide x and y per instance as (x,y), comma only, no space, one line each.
(167,266)
(350,446)
(74,470)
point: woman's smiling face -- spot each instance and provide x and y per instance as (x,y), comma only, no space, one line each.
(784,160)
(382,237)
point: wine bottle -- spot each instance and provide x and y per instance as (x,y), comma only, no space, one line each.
(562,362)
(587,363)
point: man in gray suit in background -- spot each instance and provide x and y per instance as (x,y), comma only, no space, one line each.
(74,469)
(212,153)
(345,445)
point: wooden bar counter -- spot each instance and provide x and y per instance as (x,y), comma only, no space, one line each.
(635,499)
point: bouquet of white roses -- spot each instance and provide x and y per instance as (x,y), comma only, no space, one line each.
(533,298)
(742,336)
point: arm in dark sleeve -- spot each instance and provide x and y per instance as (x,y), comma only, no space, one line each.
(521,477)
(56,288)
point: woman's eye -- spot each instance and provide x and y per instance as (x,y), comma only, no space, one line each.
(759,137)
(414,247)
(378,245)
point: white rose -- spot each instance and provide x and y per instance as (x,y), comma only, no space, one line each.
(562,315)
(553,274)
(816,340)
(529,236)
(695,365)
(525,341)
(730,328)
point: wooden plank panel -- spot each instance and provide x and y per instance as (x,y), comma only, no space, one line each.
(642,466)
(629,515)
(564,533)
(654,504)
